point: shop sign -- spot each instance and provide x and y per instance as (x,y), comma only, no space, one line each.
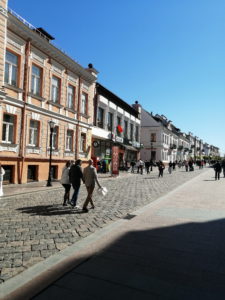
(119,139)
(115,160)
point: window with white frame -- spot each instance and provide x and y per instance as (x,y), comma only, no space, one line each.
(125,129)
(36,80)
(55,137)
(55,89)
(82,142)
(84,99)
(100,117)
(131,131)
(69,140)
(11,68)
(136,133)
(110,121)
(70,96)
(8,129)
(33,133)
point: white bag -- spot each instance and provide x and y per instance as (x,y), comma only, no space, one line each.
(102,191)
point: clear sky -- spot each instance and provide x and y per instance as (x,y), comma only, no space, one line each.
(167,54)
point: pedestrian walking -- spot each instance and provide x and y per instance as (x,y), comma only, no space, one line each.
(186,165)
(174,166)
(132,166)
(217,168)
(147,166)
(161,168)
(75,176)
(2,173)
(223,167)
(170,167)
(90,178)
(65,181)
(141,164)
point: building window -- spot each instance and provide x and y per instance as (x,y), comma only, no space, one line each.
(70,96)
(125,129)
(131,132)
(84,101)
(100,118)
(118,126)
(33,133)
(8,129)
(83,142)
(55,134)
(153,137)
(36,80)
(11,68)
(110,121)
(55,89)
(137,133)
(69,140)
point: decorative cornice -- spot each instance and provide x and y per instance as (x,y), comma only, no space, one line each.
(48,48)
(3,11)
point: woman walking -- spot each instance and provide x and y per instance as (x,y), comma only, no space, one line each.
(65,181)
(161,167)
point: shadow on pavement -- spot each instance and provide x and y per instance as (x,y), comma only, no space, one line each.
(177,262)
(50,210)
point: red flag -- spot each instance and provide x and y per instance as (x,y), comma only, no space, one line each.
(119,128)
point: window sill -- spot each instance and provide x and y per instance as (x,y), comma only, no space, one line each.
(8,144)
(54,104)
(69,153)
(12,87)
(84,115)
(33,147)
(70,110)
(36,97)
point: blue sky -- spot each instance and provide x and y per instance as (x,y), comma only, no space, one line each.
(168,55)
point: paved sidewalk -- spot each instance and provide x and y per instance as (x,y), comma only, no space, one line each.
(172,248)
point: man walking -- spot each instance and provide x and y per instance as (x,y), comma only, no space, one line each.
(75,177)
(90,177)
(217,169)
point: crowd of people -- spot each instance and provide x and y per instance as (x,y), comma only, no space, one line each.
(189,165)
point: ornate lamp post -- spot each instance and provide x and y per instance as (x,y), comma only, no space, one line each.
(52,125)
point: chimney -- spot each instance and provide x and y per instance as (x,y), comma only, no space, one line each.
(137,107)
(92,70)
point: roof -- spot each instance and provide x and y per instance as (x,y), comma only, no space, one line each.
(101,90)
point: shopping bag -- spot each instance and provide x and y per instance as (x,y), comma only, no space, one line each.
(102,191)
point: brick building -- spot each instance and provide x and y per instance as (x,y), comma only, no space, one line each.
(40,83)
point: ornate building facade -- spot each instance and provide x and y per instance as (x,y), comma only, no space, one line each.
(39,83)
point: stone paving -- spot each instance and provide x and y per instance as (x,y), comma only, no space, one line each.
(35,226)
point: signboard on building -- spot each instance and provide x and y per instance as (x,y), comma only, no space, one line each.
(115,160)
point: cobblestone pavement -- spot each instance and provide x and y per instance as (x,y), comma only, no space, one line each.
(35,226)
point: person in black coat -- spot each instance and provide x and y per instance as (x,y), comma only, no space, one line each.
(217,168)
(147,166)
(75,176)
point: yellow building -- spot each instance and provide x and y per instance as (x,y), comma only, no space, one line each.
(39,83)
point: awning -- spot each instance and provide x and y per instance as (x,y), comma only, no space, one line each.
(131,148)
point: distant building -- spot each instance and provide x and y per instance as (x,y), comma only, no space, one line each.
(115,122)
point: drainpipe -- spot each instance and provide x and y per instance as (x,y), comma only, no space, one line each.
(23,112)
(78,119)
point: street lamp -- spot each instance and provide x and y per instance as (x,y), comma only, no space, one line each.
(51,125)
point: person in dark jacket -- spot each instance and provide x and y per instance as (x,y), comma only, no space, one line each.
(217,168)
(75,176)
(147,166)
(161,168)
